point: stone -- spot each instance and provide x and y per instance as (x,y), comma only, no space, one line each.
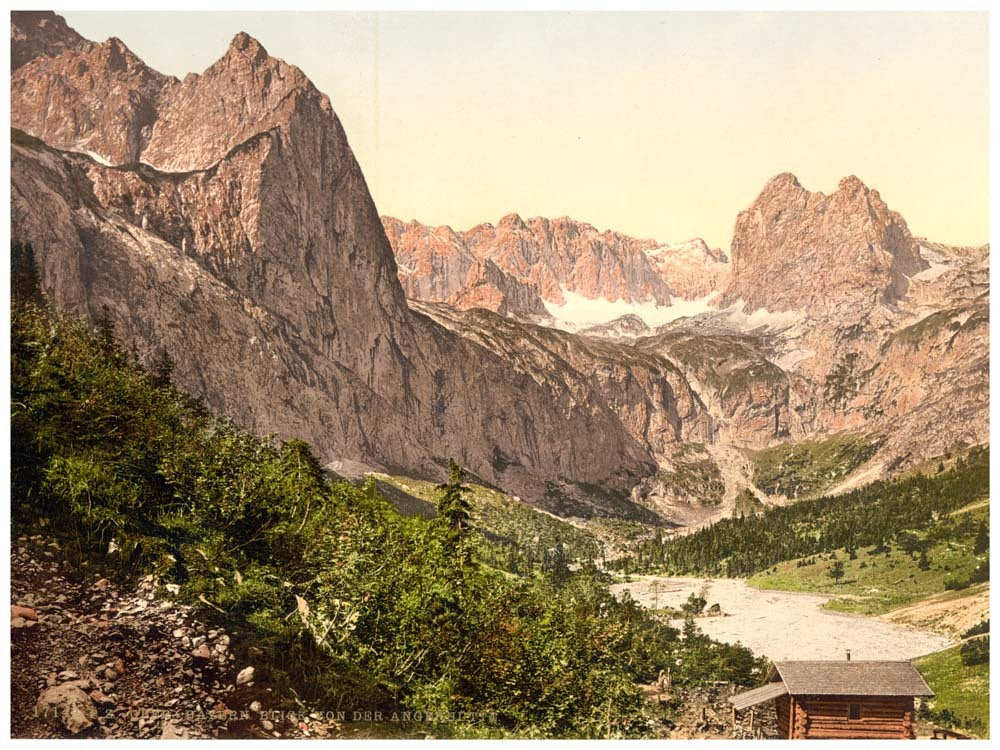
(69,705)
(245,676)
(101,699)
(25,613)
(512,267)
(202,652)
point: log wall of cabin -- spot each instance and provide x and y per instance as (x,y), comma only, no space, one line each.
(783,708)
(820,716)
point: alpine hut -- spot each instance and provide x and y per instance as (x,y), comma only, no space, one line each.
(840,699)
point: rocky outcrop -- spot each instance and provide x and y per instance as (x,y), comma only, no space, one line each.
(794,249)
(435,265)
(692,268)
(41,33)
(491,288)
(622,328)
(99,98)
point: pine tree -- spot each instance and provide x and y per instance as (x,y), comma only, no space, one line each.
(836,571)
(454,510)
(24,283)
(161,368)
(925,563)
(982,543)
(105,330)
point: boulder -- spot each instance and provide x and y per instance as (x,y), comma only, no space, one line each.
(68,705)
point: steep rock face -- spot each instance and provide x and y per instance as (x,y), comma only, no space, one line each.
(793,249)
(99,98)
(489,287)
(692,268)
(647,391)
(553,255)
(432,262)
(308,309)
(435,265)
(41,33)
(754,401)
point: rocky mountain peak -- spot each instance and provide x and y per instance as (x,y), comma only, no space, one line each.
(41,33)
(512,221)
(796,249)
(249,47)
(552,256)
(117,56)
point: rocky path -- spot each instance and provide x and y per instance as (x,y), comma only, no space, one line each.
(93,659)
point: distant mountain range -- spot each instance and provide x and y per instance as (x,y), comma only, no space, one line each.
(225,219)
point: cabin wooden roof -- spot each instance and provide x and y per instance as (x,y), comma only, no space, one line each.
(853,678)
(758,695)
(863,678)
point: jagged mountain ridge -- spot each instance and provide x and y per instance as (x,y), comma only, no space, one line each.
(251,250)
(304,301)
(553,257)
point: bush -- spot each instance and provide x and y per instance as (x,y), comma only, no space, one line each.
(976,651)
(978,629)
(352,604)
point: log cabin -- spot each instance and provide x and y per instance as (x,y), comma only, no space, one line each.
(840,699)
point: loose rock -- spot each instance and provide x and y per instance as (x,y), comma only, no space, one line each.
(68,705)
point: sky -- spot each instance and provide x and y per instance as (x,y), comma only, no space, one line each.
(661,125)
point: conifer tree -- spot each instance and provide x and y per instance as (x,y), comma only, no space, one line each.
(982,543)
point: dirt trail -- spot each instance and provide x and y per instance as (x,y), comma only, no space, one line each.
(785,625)
(119,661)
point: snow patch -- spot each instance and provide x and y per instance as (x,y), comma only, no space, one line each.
(762,318)
(580,312)
(940,264)
(79,149)
(98,158)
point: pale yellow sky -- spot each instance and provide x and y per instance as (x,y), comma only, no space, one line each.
(658,125)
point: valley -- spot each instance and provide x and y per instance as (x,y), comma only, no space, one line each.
(513,473)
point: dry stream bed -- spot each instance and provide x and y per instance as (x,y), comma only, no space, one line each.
(782,624)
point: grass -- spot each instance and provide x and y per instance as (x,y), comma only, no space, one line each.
(806,469)
(963,691)
(502,518)
(874,584)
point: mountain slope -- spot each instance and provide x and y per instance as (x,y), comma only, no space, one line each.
(306,307)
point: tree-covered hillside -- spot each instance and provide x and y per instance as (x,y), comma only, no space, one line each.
(350,603)
(872,515)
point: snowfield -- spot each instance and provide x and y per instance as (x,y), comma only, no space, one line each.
(580,312)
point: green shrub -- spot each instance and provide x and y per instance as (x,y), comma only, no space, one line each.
(352,604)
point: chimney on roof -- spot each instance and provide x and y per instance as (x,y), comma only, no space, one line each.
(848,654)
